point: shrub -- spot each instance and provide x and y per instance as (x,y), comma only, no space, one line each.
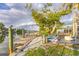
(36,52)
(57,50)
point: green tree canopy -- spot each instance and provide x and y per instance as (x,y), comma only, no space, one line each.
(1,25)
(1,32)
(47,21)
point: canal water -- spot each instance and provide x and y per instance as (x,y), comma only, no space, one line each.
(4,47)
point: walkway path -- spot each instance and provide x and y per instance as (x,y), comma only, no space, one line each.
(71,48)
(35,43)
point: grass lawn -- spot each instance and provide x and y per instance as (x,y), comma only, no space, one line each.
(54,50)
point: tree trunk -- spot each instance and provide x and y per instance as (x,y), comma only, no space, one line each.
(44,39)
(54,28)
(50,29)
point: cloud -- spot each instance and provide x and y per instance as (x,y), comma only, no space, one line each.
(18,15)
(3,16)
(66,18)
(15,16)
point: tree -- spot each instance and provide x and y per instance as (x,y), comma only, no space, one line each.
(1,32)
(49,20)
(74,8)
(1,26)
(19,31)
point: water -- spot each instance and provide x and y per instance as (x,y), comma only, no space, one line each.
(4,47)
(51,38)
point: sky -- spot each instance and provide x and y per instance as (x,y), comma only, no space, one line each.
(17,15)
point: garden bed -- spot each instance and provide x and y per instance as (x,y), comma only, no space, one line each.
(51,50)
